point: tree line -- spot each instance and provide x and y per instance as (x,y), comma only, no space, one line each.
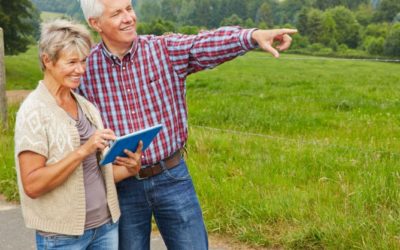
(359,27)
(355,27)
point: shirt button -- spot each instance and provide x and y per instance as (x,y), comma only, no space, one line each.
(123,68)
(133,112)
(129,90)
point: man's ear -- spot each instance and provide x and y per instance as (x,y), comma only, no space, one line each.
(94,23)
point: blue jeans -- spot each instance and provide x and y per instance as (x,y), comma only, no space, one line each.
(171,198)
(104,237)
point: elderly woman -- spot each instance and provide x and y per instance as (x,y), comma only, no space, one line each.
(66,196)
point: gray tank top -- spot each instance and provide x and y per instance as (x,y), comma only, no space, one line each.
(97,212)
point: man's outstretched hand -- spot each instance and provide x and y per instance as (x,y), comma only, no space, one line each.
(266,39)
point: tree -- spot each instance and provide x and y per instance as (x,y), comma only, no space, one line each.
(392,43)
(237,7)
(364,14)
(397,18)
(347,27)
(233,20)
(302,21)
(329,31)
(171,9)
(315,25)
(149,11)
(202,13)
(351,4)
(264,14)
(20,21)
(387,10)
(184,16)
(291,8)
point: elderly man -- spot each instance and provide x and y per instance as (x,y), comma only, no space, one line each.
(139,81)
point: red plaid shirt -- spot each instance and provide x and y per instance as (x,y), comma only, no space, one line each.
(147,86)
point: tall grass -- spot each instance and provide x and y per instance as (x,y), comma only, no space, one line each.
(299,154)
(8,184)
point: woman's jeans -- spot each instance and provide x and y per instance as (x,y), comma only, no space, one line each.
(171,198)
(104,237)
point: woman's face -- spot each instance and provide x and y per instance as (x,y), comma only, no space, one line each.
(68,69)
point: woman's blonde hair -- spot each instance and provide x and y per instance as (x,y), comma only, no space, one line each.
(63,35)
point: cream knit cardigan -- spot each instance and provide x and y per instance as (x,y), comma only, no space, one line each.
(45,128)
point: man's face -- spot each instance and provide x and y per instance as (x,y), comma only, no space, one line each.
(117,25)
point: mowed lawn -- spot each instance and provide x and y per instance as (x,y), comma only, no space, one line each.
(300,152)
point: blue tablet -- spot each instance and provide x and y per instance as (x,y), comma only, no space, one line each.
(131,142)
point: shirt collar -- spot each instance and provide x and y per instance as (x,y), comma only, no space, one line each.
(129,54)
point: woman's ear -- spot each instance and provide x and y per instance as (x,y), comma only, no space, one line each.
(94,23)
(46,61)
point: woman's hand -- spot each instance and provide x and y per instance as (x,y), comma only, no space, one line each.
(98,141)
(133,162)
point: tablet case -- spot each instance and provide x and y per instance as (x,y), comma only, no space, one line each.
(131,142)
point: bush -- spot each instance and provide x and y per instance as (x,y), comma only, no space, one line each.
(300,42)
(343,48)
(316,47)
(189,30)
(158,27)
(377,30)
(374,45)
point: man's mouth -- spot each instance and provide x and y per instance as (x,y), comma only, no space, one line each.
(127,28)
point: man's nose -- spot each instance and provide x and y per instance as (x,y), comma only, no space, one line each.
(127,17)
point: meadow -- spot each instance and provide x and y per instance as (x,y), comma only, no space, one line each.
(295,153)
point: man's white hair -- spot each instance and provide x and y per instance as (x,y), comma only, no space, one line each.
(92,8)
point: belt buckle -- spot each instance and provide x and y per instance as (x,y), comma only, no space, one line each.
(137,176)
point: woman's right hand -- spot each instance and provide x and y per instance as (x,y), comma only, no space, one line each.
(98,141)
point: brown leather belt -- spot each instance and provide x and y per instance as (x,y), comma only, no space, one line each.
(155,169)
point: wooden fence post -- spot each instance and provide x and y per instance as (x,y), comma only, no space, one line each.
(3,97)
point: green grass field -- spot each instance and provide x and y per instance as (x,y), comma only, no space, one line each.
(23,70)
(299,154)
(47,16)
